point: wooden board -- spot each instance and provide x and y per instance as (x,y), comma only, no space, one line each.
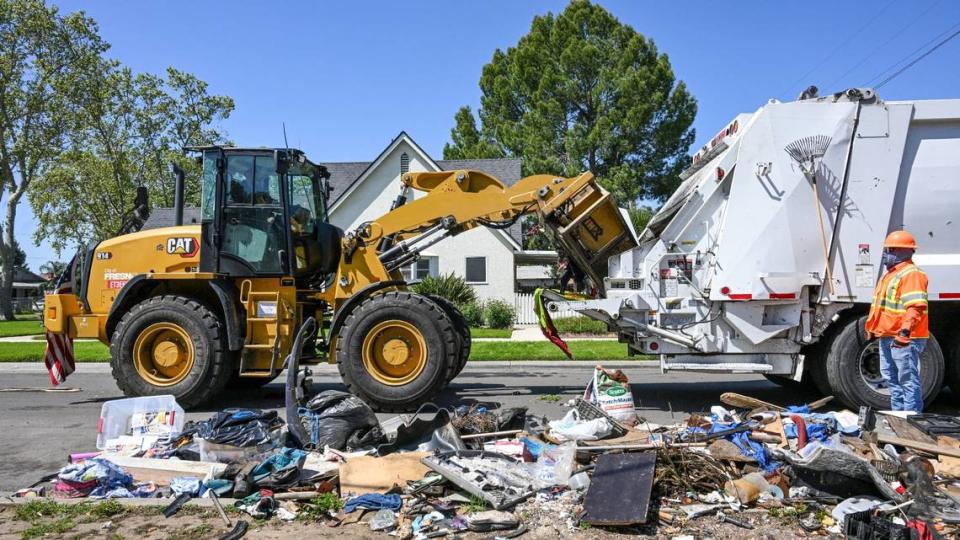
(905,430)
(619,492)
(161,471)
(632,437)
(947,465)
(369,474)
(776,428)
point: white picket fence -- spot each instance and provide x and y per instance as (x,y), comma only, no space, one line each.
(523,302)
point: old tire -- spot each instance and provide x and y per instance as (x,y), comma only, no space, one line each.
(170,345)
(462,328)
(396,349)
(852,368)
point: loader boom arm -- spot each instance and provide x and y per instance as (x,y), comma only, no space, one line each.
(580,215)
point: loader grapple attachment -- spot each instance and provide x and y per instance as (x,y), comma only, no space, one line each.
(588,226)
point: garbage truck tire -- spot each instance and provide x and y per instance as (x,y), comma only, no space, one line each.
(951,355)
(853,368)
(463,333)
(395,350)
(170,345)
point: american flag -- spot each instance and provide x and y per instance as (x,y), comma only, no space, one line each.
(59,354)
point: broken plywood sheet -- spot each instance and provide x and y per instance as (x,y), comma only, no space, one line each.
(776,428)
(948,465)
(161,471)
(619,492)
(369,474)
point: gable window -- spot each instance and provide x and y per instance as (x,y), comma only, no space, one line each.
(404,163)
(476,270)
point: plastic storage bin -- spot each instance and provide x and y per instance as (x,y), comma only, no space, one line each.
(158,416)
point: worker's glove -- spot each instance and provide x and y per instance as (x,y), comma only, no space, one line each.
(902,338)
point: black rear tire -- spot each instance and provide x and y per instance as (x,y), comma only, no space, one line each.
(952,361)
(211,368)
(848,372)
(462,327)
(439,335)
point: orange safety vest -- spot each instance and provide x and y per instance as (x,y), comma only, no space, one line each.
(904,286)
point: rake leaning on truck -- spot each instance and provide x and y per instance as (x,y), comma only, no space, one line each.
(189,309)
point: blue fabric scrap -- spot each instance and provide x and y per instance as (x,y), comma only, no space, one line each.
(372,501)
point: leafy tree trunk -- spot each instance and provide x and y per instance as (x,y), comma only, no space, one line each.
(7,259)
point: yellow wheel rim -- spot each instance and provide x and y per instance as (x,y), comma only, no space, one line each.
(394,352)
(163,354)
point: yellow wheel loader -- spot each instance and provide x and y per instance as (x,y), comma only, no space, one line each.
(190,309)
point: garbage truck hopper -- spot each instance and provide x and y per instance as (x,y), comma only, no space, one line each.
(765,258)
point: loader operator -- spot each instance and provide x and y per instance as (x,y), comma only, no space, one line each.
(898,316)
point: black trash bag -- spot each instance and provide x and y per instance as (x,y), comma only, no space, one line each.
(341,421)
(240,427)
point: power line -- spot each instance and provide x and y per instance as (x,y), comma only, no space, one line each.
(836,49)
(884,44)
(907,57)
(919,58)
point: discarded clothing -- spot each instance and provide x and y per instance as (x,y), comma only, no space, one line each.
(280,470)
(372,501)
(260,505)
(185,484)
(95,477)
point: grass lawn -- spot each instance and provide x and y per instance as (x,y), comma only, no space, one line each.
(94,351)
(543,350)
(83,351)
(491,332)
(21,327)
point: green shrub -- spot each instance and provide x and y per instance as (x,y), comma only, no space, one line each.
(499,314)
(580,325)
(473,313)
(451,287)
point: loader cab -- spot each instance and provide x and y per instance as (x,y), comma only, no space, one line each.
(264,213)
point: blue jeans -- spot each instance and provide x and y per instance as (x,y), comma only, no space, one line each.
(900,367)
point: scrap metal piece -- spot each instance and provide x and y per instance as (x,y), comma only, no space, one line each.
(237,532)
(498,479)
(619,492)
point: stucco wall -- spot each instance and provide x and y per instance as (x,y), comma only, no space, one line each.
(373,197)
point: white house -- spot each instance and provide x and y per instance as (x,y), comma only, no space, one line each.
(486,258)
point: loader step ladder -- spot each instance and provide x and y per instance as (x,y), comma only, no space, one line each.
(264,331)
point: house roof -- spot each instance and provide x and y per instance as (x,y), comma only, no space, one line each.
(22,275)
(163,217)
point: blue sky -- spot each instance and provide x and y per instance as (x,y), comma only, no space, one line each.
(346,77)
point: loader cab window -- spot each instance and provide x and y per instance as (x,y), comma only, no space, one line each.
(306,203)
(253,214)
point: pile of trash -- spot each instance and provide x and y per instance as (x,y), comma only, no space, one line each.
(745,463)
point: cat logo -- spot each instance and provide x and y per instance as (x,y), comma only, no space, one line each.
(184,246)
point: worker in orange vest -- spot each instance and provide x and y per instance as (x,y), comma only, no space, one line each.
(898,316)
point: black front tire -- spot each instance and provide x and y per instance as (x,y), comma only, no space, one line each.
(211,368)
(844,370)
(462,328)
(436,328)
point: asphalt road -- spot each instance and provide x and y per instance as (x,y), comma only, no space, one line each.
(40,429)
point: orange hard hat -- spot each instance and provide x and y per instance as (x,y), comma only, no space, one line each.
(900,239)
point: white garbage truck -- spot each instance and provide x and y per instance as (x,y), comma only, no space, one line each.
(765,259)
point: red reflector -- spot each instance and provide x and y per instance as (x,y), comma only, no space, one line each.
(720,174)
(741,296)
(724,290)
(654,345)
(950,295)
(783,296)
(100,425)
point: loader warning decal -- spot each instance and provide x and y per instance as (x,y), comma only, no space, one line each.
(185,246)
